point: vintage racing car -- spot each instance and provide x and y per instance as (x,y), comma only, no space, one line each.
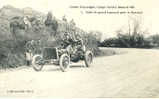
(71,51)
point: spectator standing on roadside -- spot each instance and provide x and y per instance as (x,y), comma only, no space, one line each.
(28,55)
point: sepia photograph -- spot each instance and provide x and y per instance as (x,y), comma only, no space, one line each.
(79,49)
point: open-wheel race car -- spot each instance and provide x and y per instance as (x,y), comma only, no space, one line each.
(71,51)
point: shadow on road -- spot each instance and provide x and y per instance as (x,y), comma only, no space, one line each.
(57,68)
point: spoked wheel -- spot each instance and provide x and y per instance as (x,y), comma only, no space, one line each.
(37,63)
(64,62)
(88,58)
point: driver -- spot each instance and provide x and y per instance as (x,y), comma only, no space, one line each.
(67,39)
(71,39)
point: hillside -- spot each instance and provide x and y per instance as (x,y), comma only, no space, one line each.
(12,45)
(8,12)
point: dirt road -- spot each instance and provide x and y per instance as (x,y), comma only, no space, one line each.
(132,74)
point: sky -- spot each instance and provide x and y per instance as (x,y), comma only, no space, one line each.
(108,24)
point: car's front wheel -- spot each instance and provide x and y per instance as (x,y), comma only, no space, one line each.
(37,63)
(64,62)
(88,58)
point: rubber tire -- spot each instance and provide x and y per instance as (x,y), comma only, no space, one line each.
(87,53)
(63,69)
(34,63)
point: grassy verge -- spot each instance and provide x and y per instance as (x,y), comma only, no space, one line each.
(110,51)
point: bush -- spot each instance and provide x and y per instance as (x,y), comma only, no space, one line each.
(91,43)
(154,39)
(11,54)
(127,41)
(110,42)
(133,41)
(133,38)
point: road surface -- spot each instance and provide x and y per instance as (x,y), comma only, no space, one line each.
(132,74)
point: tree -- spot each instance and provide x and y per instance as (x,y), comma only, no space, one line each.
(51,23)
(154,40)
(134,37)
(64,18)
(49,18)
(97,35)
(15,24)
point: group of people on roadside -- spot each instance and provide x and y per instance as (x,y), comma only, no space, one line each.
(32,47)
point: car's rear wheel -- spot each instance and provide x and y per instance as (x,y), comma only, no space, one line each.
(37,63)
(64,62)
(88,58)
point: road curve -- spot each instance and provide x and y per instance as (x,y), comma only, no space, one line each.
(132,74)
